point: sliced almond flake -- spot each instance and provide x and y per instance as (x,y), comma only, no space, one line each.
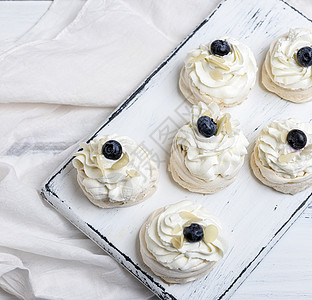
(207,113)
(197,58)
(132,173)
(176,229)
(121,162)
(227,125)
(219,64)
(188,215)
(210,233)
(216,75)
(286,157)
(221,124)
(177,241)
(284,137)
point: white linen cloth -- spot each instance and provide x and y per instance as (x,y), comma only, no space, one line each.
(90,62)
(91,53)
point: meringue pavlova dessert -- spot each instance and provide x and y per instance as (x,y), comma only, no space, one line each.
(287,70)
(208,152)
(182,242)
(282,157)
(223,71)
(115,171)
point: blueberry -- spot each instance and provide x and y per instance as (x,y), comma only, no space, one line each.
(296,139)
(206,126)
(193,233)
(219,47)
(304,57)
(112,150)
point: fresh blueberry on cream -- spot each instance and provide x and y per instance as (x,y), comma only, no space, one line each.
(112,150)
(296,139)
(219,47)
(304,57)
(193,233)
(206,126)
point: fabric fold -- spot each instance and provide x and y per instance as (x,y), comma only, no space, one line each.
(106,51)
(41,252)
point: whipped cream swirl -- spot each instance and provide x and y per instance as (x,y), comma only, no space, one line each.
(281,63)
(219,155)
(168,226)
(114,180)
(229,77)
(274,152)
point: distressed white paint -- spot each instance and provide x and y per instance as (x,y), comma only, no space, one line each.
(256,286)
(285,273)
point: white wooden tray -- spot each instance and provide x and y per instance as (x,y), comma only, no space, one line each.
(254,215)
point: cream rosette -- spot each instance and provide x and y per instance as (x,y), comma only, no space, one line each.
(109,183)
(282,74)
(207,165)
(169,254)
(226,80)
(277,164)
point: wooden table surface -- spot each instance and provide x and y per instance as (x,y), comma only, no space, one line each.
(285,273)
